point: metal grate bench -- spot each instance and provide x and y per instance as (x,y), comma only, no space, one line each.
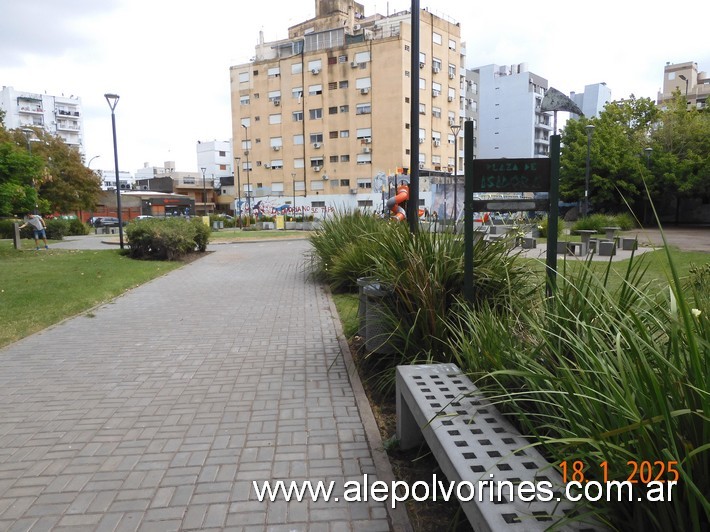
(471,441)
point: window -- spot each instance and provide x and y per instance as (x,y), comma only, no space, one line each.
(276,142)
(436,64)
(452,94)
(344,108)
(364,158)
(297,92)
(298,140)
(332,60)
(422,83)
(315,114)
(436,112)
(345,158)
(244,100)
(344,133)
(363,109)
(364,132)
(297,116)
(436,159)
(343,84)
(298,163)
(364,183)
(364,203)
(333,159)
(277,164)
(317,204)
(273,72)
(333,110)
(274,95)
(452,71)
(316,64)
(450,138)
(246,122)
(275,119)
(222,153)
(243,77)
(246,145)
(422,59)
(316,137)
(452,44)
(344,182)
(362,57)
(333,85)
(296,68)
(435,89)
(342,59)
(436,37)
(422,134)
(422,109)
(332,134)
(277,187)
(300,185)
(316,161)
(363,83)
(315,89)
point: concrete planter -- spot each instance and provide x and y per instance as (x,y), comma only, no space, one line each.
(290,225)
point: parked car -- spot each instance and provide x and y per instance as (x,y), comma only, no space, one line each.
(105,221)
(143,217)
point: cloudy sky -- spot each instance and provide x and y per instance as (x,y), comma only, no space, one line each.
(169,61)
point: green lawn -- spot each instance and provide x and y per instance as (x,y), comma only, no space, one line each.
(41,288)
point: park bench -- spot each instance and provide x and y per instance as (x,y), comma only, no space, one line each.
(473,442)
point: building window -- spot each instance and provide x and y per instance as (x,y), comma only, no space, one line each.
(314,90)
(363,109)
(315,114)
(422,84)
(333,85)
(332,60)
(344,108)
(333,110)
(422,108)
(298,140)
(243,77)
(343,84)
(364,203)
(298,163)
(364,158)
(345,158)
(296,68)
(316,161)
(344,133)
(277,187)
(274,72)
(363,83)
(452,44)
(297,92)
(297,116)
(364,183)
(275,119)
(333,159)
(222,153)
(274,95)
(344,182)
(342,59)
(318,204)
(316,138)
(244,100)
(333,134)
(364,132)
(316,64)
(436,65)
(436,37)
(436,112)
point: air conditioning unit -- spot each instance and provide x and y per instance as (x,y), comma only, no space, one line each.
(421,141)
(421,65)
(276,148)
(437,142)
(357,27)
(367,140)
(365,91)
(366,149)
(325,177)
(435,93)
(267,166)
(277,102)
(316,168)
(452,75)
(316,145)
(315,71)
(354,64)
(421,166)
(436,70)
(353,191)
(450,98)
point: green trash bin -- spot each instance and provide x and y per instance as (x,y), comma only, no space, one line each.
(378,330)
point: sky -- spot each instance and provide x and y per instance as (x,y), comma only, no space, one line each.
(169,61)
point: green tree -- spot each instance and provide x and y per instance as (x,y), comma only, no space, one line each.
(617,167)
(681,155)
(18,172)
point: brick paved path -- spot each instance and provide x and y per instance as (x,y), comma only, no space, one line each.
(156,411)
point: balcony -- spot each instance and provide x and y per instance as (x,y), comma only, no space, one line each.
(32,109)
(65,112)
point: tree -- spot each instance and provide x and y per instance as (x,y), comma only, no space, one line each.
(681,154)
(18,172)
(617,168)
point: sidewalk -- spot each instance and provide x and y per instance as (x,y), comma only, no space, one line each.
(158,410)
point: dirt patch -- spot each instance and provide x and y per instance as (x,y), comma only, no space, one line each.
(409,466)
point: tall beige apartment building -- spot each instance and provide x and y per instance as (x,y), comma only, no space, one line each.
(322,118)
(684,77)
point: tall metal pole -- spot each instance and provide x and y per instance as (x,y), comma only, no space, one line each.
(590,130)
(204,192)
(413,202)
(468,211)
(246,152)
(455,130)
(112,100)
(293,205)
(239,191)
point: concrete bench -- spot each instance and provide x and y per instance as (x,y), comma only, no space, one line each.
(606,248)
(629,244)
(472,442)
(566,247)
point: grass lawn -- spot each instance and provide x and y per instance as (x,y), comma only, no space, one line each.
(41,288)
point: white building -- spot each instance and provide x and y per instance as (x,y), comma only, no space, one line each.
(592,100)
(216,158)
(108,180)
(58,115)
(509,118)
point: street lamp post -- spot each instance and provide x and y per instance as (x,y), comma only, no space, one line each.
(590,130)
(455,130)
(686,84)
(112,100)
(88,165)
(246,153)
(204,192)
(293,205)
(239,191)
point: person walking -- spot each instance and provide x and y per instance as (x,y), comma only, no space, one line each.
(39,228)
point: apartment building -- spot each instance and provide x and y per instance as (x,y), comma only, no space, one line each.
(322,118)
(592,101)
(509,99)
(58,115)
(684,77)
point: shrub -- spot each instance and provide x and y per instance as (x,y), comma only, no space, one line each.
(7,227)
(166,238)
(77,227)
(543,225)
(596,222)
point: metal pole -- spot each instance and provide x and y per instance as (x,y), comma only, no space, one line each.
(204,192)
(590,130)
(293,205)
(246,152)
(239,191)
(413,203)
(553,214)
(468,211)
(455,130)
(112,100)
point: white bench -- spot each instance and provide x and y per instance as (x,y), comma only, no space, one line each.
(473,442)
